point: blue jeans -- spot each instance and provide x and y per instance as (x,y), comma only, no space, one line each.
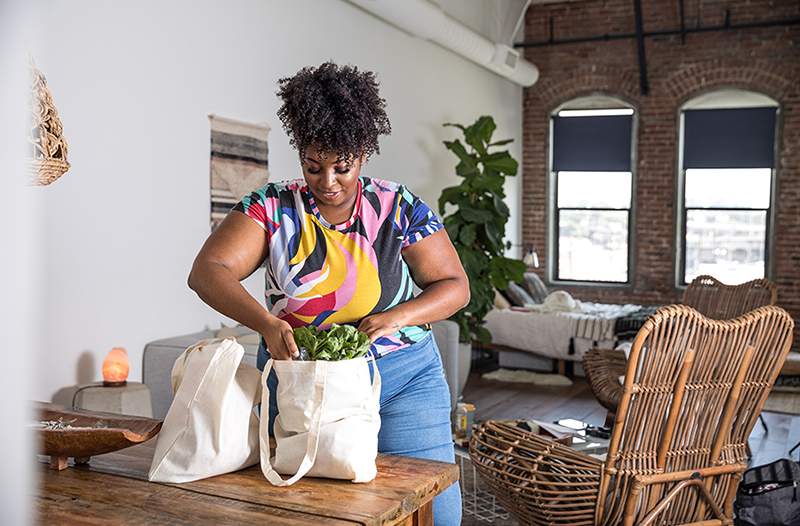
(415,413)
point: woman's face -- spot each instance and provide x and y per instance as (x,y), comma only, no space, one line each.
(333,182)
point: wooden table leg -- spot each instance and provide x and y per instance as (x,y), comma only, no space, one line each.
(424,515)
(58,463)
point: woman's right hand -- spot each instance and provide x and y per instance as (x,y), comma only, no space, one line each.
(279,338)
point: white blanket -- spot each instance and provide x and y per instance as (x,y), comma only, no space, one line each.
(548,333)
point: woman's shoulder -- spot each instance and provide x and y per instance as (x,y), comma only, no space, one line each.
(382,186)
(278,189)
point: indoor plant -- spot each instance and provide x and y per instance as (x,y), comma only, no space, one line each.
(477,225)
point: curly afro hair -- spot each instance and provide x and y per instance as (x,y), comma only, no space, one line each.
(336,107)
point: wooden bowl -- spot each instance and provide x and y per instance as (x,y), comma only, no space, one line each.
(89,433)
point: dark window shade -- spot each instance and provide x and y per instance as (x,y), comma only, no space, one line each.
(729,138)
(592,144)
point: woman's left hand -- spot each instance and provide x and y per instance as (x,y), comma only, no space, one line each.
(382,324)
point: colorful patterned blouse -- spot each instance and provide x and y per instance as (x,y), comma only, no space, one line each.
(319,274)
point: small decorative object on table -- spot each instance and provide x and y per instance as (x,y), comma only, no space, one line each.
(116,367)
(82,434)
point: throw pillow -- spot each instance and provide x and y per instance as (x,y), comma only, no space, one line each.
(500,301)
(535,286)
(518,295)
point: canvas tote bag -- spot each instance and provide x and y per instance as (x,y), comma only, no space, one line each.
(210,428)
(328,420)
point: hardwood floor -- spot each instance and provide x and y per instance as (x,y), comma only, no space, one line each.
(501,400)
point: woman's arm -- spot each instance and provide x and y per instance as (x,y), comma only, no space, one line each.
(436,269)
(230,254)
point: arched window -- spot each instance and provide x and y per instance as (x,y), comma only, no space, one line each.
(725,186)
(591,189)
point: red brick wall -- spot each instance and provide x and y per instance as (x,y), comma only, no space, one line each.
(766,60)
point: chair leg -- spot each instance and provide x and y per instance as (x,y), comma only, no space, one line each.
(791,451)
(763,424)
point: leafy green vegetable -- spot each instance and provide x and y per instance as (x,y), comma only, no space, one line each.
(340,342)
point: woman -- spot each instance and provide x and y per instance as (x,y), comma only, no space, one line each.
(345,248)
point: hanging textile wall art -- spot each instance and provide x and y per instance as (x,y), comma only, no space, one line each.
(239,163)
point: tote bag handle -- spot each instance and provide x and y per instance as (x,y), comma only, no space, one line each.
(312,444)
(179,367)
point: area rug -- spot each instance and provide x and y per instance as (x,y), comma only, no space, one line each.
(528,377)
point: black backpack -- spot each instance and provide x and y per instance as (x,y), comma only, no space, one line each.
(768,495)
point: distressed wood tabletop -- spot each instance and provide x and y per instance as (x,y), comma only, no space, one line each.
(113,489)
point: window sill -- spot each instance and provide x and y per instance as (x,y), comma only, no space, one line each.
(590,284)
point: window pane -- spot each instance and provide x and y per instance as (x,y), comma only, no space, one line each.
(725,244)
(594,189)
(593,245)
(728,188)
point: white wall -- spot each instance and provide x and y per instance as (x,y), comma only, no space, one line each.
(134,82)
(21,268)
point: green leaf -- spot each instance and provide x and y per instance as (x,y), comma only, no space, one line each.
(493,236)
(501,143)
(455,125)
(501,207)
(501,162)
(485,126)
(467,235)
(453,230)
(449,195)
(480,133)
(487,183)
(339,342)
(475,262)
(482,334)
(474,215)
(468,164)
(499,281)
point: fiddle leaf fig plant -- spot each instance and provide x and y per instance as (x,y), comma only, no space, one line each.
(477,224)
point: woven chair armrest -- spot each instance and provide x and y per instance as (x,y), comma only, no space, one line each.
(603,368)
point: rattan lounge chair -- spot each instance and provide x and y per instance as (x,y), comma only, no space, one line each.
(710,297)
(694,388)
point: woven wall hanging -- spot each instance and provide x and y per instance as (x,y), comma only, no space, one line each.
(49,161)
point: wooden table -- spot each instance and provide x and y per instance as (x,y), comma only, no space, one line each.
(113,489)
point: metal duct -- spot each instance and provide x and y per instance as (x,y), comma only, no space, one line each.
(423,19)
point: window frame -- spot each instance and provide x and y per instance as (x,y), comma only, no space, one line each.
(595,101)
(681,210)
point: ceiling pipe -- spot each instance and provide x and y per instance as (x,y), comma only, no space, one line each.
(426,20)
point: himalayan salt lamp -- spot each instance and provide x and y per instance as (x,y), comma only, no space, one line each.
(115,368)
